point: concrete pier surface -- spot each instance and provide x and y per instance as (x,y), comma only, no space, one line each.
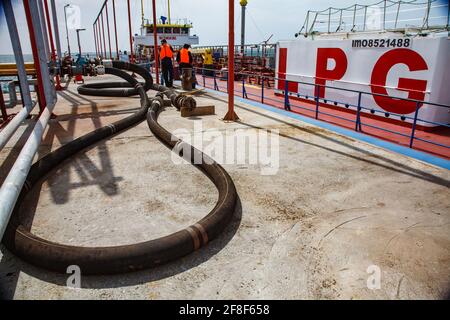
(336,214)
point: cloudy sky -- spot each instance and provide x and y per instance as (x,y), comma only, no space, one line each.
(209,17)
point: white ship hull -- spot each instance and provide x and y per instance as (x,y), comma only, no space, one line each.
(172,39)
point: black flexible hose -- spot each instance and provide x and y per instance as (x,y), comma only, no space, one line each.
(117,89)
(108,260)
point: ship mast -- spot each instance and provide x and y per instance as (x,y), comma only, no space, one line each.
(168,10)
(142,13)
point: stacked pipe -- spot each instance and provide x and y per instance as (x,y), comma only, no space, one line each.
(106,260)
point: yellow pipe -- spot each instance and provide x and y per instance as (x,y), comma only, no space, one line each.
(10,69)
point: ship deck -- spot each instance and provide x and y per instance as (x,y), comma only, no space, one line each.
(336,208)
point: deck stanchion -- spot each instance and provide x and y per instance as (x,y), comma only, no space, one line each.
(204,82)
(413,130)
(40,10)
(231,115)
(34,50)
(56,29)
(94,25)
(317,100)
(103,33)
(216,87)
(101,40)
(95,40)
(358,114)
(286,95)
(95,37)
(115,28)
(228,84)
(365,18)
(131,34)
(262,90)
(52,44)
(99,32)
(155,42)
(329,19)
(107,27)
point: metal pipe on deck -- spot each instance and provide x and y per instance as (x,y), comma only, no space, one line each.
(12,96)
(18,56)
(13,101)
(16,178)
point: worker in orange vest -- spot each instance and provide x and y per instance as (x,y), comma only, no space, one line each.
(184,59)
(165,56)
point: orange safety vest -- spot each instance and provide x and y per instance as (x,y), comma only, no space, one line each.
(166,52)
(184,56)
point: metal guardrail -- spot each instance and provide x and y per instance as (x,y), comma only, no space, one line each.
(9,130)
(252,50)
(16,178)
(317,100)
(385,15)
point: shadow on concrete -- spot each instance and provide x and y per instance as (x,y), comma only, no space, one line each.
(60,191)
(84,166)
(11,266)
(89,115)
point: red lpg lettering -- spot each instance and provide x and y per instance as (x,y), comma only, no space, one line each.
(282,67)
(323,73)
(415,88)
